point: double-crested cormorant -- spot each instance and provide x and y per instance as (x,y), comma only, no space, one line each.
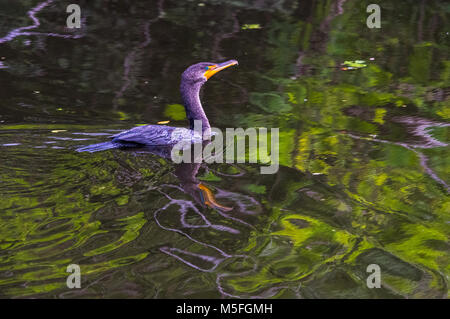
(192,80)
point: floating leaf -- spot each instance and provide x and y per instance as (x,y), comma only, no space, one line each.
(357,64)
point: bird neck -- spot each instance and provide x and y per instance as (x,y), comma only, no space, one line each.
(190,94)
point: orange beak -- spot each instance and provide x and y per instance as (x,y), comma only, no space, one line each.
(213,69)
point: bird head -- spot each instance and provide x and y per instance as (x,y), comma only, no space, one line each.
(201,72)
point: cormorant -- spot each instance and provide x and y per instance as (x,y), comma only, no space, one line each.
(156,136)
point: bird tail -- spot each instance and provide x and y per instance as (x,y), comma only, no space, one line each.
(98,147)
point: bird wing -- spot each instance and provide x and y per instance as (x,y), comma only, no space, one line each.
(153,135)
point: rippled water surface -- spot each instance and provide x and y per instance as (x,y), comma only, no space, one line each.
(364,172)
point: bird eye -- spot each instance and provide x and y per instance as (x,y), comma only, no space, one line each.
(207,68)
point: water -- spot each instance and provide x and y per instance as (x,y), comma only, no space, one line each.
(364,175)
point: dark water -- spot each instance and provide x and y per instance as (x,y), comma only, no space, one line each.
(364,176)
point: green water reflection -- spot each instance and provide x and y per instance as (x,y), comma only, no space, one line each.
(364,175)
